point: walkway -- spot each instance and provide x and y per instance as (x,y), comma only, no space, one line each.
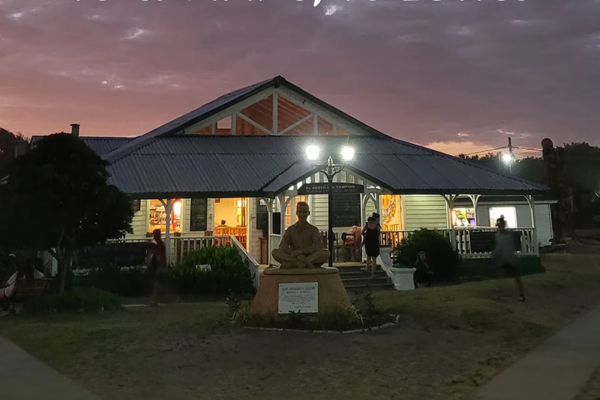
(24,378)
(557,370)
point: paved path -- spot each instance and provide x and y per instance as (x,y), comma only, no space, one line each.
(557,370)
(22,377)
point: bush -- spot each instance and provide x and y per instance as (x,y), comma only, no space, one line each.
(126,282)
(443,260)
(228,272)
(78,299)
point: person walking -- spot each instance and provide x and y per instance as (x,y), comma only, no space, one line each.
(506,256)
(372,232)
(158,266)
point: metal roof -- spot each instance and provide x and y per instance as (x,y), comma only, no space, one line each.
(223,103)
(192,117)
(264,166)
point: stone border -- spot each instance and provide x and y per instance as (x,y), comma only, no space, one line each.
(371,329)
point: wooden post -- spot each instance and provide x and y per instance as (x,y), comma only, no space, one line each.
(168,206)
(475,200)
(450,201)
(531,202)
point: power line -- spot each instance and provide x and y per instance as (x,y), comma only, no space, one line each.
(527,148)
(482,151)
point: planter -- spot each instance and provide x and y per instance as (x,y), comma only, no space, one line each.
(403,278)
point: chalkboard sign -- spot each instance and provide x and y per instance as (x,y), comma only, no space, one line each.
(198,215)
(323,188)
(276,228)
(345,209)
(262,216)
(485,241)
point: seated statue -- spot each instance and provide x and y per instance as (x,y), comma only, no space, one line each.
(302,244)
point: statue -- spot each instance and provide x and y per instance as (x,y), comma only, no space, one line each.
(302,244)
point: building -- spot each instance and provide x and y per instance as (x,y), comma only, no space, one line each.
(236,167)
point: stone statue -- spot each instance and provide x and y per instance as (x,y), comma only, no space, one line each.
(302,244)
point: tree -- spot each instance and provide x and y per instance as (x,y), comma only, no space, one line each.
(8,144)
(58,199)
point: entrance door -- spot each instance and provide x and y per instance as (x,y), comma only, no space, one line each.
(231,216)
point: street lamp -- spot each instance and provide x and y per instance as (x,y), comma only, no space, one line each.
(508,159)
(330,169)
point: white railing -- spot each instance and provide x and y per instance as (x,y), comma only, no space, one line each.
(252,264)
(470,242)
(274,241)
(185,245)
(181,246)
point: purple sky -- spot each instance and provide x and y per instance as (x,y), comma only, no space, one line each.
(458,76)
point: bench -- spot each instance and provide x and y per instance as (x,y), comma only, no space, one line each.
(26,290)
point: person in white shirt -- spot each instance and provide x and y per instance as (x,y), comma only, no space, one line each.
(505,255)
(28,272)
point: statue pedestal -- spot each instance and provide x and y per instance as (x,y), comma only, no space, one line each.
(331,292)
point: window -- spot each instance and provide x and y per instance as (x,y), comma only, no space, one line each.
(509,214)
(241,206)
(463,217)
(158,217)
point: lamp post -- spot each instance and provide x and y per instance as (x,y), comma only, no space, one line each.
(330,169)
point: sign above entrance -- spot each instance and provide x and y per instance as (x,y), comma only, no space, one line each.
(336,188)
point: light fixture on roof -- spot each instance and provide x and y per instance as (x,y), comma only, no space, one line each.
(347,153)
(312,152)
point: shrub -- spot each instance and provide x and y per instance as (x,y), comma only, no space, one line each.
(126,282)
(443,260)
(228,272)
(78,299)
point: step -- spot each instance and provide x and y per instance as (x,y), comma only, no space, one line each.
(361,274)
(373,286)
(355,268)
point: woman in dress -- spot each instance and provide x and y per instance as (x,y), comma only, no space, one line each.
(372,232)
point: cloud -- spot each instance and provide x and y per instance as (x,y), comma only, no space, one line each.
(420,71)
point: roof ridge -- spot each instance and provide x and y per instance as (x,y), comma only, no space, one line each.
(140,141)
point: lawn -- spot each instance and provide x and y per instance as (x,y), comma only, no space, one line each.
(450,341)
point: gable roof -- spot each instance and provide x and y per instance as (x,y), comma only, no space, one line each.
(221,166)
(224,102)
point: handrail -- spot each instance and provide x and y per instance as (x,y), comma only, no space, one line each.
(253,264)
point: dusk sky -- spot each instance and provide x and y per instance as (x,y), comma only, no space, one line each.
(458,76)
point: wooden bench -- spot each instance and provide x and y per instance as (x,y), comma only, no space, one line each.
(26,290)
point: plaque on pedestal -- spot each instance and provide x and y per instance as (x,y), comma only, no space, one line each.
(298,297)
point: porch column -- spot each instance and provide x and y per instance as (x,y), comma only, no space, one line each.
(283,205)
(531,202)
(168,206)
(269,203)
(450,202)
(475,200)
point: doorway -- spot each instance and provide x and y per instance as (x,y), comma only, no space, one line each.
(231,218)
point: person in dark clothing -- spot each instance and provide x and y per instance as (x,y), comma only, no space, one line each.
(423,274)
(372,232)
(158,265)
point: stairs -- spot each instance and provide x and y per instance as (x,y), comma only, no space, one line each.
(355,280)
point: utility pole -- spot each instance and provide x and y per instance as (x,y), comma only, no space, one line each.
(510,152)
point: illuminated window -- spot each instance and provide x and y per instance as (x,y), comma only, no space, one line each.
(463,217)
(158,217)
(509,214)
(241,206)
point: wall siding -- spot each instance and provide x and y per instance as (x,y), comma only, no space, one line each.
(425,211)
(139,222)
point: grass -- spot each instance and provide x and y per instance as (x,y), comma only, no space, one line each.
(450,341)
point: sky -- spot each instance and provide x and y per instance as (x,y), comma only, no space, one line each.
(457,76)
